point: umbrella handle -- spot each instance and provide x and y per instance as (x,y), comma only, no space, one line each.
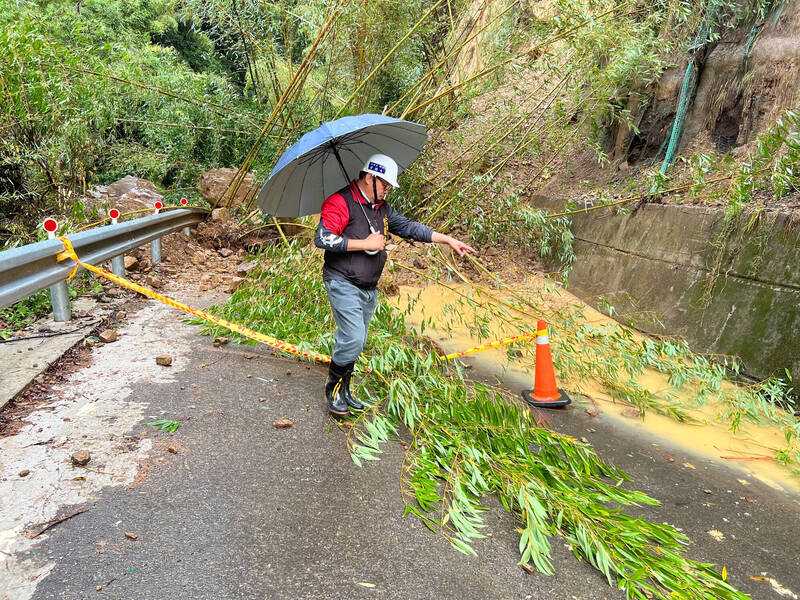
(371,230)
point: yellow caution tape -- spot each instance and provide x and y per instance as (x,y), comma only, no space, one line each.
(497,344)
(69,252)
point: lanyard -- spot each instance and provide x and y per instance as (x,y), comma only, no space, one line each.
(361,204)
(371,227)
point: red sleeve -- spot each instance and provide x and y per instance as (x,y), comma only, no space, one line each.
(335,214)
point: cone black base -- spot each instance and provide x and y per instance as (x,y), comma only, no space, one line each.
(562,400)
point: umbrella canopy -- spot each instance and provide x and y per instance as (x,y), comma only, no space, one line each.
(309,171)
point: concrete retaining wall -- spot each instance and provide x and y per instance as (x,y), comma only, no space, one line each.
(664,257)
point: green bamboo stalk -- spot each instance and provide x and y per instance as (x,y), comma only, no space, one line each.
(487,71)
(182,126)
(305,67)
(453,53)
(510,130)
(387,57)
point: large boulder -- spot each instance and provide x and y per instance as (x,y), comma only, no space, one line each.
(213,186)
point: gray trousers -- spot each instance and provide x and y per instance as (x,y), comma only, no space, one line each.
(352,310)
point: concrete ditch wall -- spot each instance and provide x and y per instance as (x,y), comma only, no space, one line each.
(665,256)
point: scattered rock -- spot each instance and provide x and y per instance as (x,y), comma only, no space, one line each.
(131,263)
(225,252)
(172,448)
(631,412)
(282,423)
(198,258)
(130,535)
(220,214)
(235,284)
(98,588)
(528,569)
(24,473)
(154,282)
(418,263)
(249,356)
(245,267)
(262,399)
(90,341)
(220,341)
(288,372)
(165,360)
(81,458)
(113,292)
(108,335)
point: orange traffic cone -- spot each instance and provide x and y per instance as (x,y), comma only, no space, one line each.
(545,393)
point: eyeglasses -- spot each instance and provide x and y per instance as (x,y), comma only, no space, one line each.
(386,185)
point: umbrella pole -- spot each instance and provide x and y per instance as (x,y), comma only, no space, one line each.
(341,164)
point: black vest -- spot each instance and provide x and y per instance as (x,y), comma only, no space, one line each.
(359,268)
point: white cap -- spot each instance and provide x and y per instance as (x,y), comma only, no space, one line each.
(382,166)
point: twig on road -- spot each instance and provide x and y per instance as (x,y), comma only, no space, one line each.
(54,522)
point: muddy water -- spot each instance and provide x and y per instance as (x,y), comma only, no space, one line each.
(750,449)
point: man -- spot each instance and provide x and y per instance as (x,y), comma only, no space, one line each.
(352,230)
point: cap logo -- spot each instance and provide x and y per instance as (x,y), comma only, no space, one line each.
(377,168)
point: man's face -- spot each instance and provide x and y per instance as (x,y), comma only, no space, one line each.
(382,187)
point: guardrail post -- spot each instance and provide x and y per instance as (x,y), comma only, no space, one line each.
(155,251)
(59,293)
(117,262)
(186,230)
(155,245)
(59,298)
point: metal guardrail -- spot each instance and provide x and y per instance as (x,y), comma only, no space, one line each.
(29,269)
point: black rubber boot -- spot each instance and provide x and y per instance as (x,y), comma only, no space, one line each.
(348,396)
(334,390)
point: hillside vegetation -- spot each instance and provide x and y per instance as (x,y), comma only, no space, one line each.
(164,89)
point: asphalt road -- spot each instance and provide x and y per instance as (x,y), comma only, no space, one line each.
(245,510)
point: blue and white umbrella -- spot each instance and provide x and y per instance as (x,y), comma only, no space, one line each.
(324,160)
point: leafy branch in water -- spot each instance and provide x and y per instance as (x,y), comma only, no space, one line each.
(470,440)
